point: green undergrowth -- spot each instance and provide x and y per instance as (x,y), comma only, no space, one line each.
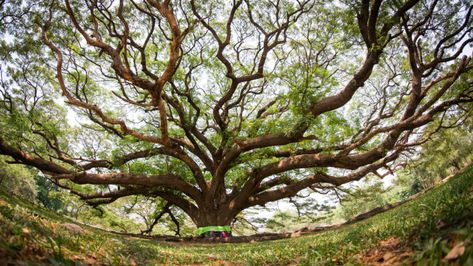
(428,227)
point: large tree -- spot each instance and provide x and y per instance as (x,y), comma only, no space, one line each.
(218,106)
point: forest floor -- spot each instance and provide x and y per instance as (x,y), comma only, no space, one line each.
(435,228)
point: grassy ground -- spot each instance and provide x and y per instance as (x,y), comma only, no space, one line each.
(434,229)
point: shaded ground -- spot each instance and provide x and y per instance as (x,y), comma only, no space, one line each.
(434,229)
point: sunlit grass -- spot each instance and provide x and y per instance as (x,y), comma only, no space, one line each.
(29,233)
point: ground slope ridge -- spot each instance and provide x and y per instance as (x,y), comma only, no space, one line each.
(435,228)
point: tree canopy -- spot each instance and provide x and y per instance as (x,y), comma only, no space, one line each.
(218,106)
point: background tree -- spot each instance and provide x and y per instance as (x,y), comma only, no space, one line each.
(434,164)
(47,191)
(445,154)
(219,106)
(18,180)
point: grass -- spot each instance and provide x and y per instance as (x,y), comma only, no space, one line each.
(428,227)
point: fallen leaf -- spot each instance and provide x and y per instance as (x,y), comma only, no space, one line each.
(390,242)
(89,260)
(388,255)
(455,252)
(405,254)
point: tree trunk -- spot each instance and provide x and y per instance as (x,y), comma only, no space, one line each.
(214,222)
(214,217)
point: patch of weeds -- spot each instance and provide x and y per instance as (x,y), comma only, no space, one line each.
(454,243)
(54,246)
(431,252)
(6,212)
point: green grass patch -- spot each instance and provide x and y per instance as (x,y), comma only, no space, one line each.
(32,234)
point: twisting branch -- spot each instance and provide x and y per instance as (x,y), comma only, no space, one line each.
(216,107)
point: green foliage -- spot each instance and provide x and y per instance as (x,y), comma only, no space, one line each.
(288,221)
(362,199)
(447,153)
(18,180)
(45,194)
(436,164)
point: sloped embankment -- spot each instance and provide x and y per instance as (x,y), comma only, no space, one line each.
(434,228)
